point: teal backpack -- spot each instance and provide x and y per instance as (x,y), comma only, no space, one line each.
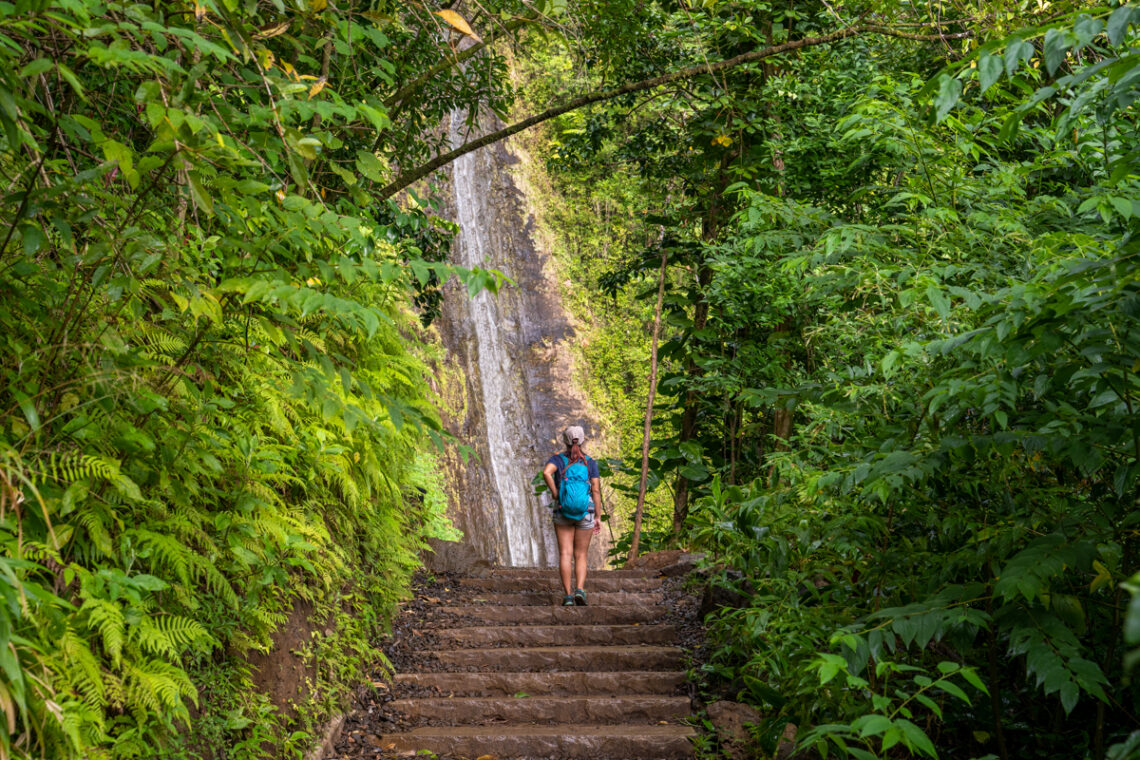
(574,489)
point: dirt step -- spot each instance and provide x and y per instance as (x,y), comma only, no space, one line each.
(610,583)
(555,635)
(554,598)
(606,683)
(561,658)
(535,615)
(552,572)
(528,709)
(664,742)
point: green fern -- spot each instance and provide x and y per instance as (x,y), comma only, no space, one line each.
(107,617)
(79,667)
(168,635)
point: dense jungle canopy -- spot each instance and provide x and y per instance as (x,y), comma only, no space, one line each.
(899,345)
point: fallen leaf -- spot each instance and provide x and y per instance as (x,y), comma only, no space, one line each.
(458,23)
(487,757)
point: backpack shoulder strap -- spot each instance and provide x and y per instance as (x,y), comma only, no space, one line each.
(565,462)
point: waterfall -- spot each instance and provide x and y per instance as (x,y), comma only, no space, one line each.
(494,332)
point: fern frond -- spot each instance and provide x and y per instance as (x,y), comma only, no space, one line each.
(107,617)
(168,635)
(160,341)
(69,467)
(165,550)
(79,668)
(95,518)
(158,687)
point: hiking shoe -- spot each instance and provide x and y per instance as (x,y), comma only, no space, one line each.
(579,598)
(568,601)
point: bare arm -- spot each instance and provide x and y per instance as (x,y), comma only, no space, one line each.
(548,475)
(596,494)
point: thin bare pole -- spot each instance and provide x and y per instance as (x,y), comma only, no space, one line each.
(648,412)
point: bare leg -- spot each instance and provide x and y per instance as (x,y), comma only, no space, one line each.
(581,547)
(566,541)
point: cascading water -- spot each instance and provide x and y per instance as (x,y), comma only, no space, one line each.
(509,425)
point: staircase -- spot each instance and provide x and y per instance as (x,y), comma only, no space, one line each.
(511,674)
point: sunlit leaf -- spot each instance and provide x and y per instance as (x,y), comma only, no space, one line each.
(458,23)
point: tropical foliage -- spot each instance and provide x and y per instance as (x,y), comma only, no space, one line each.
(900,348)
(216,410)
(899,406)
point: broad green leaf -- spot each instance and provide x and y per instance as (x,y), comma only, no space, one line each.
(1123,206)
(1057,45)
(971,676)
(989,71)
(378,118)
(938,300)
(871,725)
(953,690)
(949,90)
(1017,51)
(1118,22)
(370,166)
(693,472)
(1085,29)
(252,187)
(1132,621)
(28,407)
(916,738)
(36,67)
(199,194)
(33,239)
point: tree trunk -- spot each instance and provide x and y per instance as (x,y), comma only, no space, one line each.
(635,544)
(782,420)
(710,226)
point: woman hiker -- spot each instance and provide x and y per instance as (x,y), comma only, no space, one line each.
(573,480)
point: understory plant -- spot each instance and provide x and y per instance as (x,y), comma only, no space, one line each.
(936,561)
(216,416)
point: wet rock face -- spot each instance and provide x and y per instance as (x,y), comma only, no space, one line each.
(514,362)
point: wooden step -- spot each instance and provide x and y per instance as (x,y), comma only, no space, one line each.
(554,598)
(552,572)
(560,658)
(629,709)
(489,614)
(555,635)
(605,583)
(592,741)
(599,683)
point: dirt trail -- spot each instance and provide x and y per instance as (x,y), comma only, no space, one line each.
(494,667)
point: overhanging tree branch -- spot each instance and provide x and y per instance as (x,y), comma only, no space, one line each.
(397,98)
(418,173)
